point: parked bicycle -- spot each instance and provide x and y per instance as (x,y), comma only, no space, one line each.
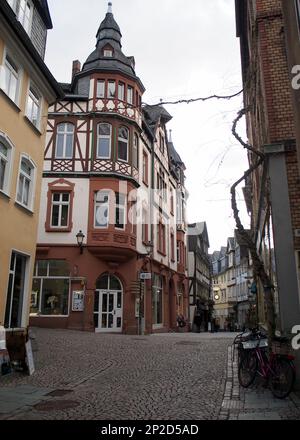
(276,367)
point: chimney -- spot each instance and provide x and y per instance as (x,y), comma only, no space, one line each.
(76,68)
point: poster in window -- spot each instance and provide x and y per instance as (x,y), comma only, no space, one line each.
(78,301)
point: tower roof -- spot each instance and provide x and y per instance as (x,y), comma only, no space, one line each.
(109,28)
(108,55)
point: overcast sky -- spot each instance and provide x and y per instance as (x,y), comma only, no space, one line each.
(183,49)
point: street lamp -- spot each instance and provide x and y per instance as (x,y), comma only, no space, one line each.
(80,237)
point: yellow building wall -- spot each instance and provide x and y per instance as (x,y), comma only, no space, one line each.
(18,227)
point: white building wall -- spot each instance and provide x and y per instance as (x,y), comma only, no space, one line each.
(79,217)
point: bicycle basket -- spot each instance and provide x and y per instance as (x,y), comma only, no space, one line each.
(283,348)
(249,345)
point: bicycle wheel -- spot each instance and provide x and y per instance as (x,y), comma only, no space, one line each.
(282,377)
(247,369)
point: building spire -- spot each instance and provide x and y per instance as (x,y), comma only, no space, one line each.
(110,8)
(170,136)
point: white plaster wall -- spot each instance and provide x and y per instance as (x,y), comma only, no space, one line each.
(79,217)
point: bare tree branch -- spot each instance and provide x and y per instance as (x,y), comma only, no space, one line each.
(258,264)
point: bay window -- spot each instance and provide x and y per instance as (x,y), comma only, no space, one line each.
(121,91)
(111,89)
(120,211)
(135,152)
(130,95)
(101,89)
(157,301)
(65,141)
(104,141)
(123,141)
(25,191)
(101,209)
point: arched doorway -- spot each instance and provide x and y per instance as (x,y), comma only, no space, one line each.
(108,305)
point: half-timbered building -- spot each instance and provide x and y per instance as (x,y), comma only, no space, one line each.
(111,253)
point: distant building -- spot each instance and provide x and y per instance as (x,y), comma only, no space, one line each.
(199,269)
(232,279)
(26,90)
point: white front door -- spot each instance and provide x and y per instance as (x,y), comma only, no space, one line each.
(108,312)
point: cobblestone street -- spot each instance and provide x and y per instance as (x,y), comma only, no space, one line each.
(110,377)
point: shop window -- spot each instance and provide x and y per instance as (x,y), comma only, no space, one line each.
(50,288)
(64,141)
(104,141)
(25,193)
(157,301)
(15,291)
(123,141)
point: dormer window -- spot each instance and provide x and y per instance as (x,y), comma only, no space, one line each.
(108,53)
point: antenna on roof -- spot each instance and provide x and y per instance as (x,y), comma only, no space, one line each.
(109,8)
(170,136)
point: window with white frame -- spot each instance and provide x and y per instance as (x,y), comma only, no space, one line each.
(111,89)
(121,91)
(33,111)
(104,141)
(65,141)
(26,183)
(101,89)
(135,152)
(120,211)
(101,209)
(25,14)
(60,210)
(50,288)
(130,95)
(11,83)
(5,164)
(108,53)
(123,140)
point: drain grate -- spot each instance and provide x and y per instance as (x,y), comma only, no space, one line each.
(56,405)
(59,393)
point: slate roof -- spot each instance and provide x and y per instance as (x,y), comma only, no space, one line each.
(43,8)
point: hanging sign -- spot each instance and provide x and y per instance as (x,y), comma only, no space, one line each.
(78,301)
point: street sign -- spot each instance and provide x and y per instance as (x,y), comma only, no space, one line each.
(145,276)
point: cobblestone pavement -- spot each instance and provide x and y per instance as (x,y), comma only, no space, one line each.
(83,376)
(256,402)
